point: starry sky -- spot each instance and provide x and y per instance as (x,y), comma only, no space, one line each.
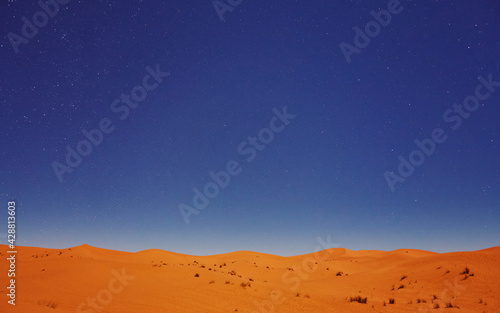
(211,127)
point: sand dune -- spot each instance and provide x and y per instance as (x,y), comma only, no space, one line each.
(89,279)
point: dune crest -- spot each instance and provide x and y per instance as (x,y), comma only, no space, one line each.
(91,279)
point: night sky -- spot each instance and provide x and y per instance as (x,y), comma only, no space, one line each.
(285,121)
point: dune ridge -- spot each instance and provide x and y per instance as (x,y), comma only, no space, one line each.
(91,279)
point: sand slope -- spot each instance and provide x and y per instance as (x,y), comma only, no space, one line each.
(89,279)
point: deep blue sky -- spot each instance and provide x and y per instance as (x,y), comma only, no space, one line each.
(322,175)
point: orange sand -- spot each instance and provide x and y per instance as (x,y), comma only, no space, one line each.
(52,280)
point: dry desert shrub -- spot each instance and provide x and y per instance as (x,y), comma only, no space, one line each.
(358,299)
(49,304)
(244,285)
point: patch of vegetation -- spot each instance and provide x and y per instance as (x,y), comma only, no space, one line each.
(244,285)
(196,275)
(49,304)
(358,299)
(467,273)
(392,301)
(403,277)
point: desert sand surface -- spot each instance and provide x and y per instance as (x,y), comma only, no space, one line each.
(90,279)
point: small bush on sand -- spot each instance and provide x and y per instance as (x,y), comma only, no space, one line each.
(244,285)
(49,304)
(358,299)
